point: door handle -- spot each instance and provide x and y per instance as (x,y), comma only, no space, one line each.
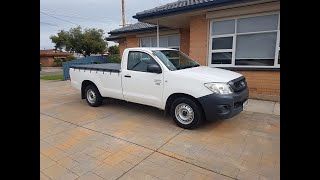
(128,76)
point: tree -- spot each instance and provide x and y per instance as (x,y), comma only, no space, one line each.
(69,58)
(114,49)
(114,54)
(87,42)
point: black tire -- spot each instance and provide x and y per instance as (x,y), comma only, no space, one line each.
(196,108)
(94,102)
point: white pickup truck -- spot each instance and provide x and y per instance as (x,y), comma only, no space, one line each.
(167,79)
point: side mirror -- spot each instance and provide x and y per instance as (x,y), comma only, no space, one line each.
(154,68)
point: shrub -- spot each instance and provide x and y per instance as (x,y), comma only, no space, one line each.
(58,62)
(114,50)
(114,58)
(69,58)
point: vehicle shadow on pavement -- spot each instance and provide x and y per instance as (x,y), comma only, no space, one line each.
(157,114)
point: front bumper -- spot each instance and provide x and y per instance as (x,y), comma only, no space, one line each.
(217,106)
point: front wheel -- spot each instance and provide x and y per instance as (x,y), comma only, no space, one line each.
(186,113)
(93,96)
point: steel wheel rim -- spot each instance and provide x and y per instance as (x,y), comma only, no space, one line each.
(91,96)
(184,113)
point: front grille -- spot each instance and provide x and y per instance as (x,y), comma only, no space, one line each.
(238,84)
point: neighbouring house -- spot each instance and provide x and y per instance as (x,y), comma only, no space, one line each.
(47,56)
(239,35)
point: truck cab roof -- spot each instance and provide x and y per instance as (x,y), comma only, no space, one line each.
(149,49)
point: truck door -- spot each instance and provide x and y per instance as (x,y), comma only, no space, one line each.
(139,85)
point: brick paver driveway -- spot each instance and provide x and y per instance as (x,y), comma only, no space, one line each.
(122,140)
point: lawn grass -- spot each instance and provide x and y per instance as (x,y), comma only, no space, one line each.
(52,77)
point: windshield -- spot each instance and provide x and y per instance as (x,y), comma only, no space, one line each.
(175,60)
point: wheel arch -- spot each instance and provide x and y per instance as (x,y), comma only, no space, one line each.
(85,84)
(174,96)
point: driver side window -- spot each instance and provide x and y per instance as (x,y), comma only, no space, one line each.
(138,61)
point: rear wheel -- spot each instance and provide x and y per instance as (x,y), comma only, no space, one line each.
(186,113)
(93,96)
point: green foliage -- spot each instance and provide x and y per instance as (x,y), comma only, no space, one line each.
(69,58)
(59,61)
(114,58)
(114,54)
(86,42)
(52,77)
(114,49)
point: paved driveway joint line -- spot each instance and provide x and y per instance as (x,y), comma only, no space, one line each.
(132,141)
(153,151)
(99,132)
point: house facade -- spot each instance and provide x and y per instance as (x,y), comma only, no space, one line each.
(47,56)
(238,35)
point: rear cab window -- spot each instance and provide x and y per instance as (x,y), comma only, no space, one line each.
(138,61)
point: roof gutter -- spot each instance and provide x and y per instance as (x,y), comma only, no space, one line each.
(200,6)
(134,30)
(114,38)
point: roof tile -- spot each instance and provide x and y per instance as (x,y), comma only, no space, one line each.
(183,4)
(133,27)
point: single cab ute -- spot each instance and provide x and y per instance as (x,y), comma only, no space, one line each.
(167,79)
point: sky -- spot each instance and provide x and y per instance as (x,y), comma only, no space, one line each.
(58,15)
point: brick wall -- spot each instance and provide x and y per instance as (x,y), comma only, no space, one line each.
(47,61)
(185,40)
(132,41)
(263,85)
(199,39)
(122,46)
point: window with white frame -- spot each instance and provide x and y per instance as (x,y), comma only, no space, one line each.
(245,42)
(169,41)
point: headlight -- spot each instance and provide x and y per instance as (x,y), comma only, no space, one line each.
(219,88)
